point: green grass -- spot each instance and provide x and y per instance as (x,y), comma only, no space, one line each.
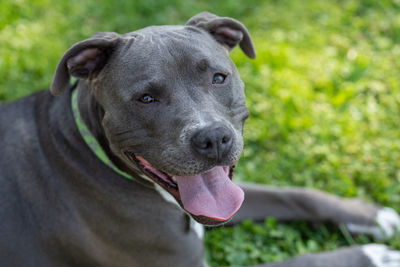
(324,96)
(252,243)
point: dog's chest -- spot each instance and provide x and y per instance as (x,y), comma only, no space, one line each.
(160,234)
(86,214)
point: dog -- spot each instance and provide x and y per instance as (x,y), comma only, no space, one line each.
(125,167)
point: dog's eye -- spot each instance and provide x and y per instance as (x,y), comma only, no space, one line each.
(218,78)
(147,99)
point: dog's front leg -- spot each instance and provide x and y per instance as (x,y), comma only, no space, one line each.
(286,204)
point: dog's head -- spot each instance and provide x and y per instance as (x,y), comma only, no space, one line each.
(173,106)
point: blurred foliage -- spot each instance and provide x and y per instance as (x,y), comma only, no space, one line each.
(252,243)
(323,93)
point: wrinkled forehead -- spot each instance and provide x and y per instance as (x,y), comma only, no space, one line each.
(174,46)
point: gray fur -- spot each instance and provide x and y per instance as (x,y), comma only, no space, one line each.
(61,206)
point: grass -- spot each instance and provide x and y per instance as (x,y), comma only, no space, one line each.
(324,96)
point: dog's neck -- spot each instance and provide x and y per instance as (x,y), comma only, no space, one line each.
(92,115)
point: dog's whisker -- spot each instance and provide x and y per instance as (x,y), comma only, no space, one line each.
(130,131)
(135,139)
(123,133)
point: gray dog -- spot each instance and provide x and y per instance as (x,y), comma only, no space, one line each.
(124,168)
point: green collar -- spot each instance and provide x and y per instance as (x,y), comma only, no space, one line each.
(89,138)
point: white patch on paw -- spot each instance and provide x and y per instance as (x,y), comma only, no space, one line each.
(375,231)
(381,255)
(387,220)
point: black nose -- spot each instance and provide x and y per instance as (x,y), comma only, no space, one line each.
(213,142)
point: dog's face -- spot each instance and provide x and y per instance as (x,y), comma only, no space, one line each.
(175,82)
(174,107)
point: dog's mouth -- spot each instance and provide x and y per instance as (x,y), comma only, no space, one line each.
(211,197)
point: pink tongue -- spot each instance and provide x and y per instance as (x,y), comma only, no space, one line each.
(211,194)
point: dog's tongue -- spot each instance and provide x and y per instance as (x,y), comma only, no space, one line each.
(211,194)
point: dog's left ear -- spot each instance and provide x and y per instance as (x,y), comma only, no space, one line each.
(84,60)
(227,31)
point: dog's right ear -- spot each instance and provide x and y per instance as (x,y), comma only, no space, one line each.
(84,60)
(227,31)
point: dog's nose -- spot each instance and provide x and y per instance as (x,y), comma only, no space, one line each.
(213,142)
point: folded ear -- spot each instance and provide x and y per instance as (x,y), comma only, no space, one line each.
(227,31)
(84,60)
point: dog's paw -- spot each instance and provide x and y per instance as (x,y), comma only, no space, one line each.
(388,223)
(381,255)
